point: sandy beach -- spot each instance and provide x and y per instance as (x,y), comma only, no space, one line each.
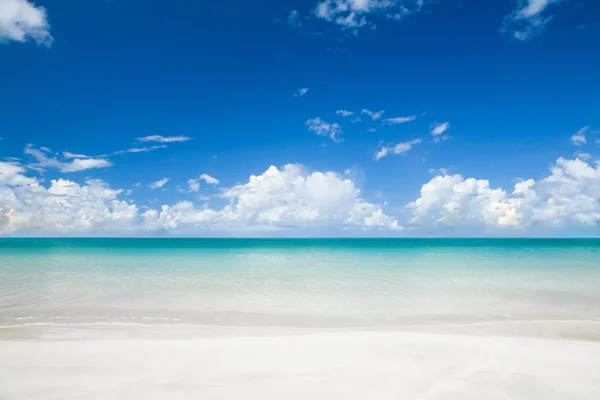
(136,362)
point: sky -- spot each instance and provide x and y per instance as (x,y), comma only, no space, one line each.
(391,118)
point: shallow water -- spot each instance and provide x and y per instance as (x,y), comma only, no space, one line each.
(320,283)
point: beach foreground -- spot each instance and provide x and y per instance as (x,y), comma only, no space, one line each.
(279,363)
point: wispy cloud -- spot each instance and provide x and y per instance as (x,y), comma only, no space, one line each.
(75,165)
(158,184)
(438,128)
(400,148)
(356,15)
(389,121)
(322,128)
(21,20)
(163,139)
(67,155)
(399,120)
(583,156)
(194,184)
(301,92)
(344,113)
(528,20)
(375,115)
(139,149)
(578,138)
(293,19)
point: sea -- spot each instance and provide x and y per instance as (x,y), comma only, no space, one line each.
(297,282)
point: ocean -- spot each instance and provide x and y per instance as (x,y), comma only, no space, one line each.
(101,309)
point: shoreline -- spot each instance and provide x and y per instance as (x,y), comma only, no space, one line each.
(587,330)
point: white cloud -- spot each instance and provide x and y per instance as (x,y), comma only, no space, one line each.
(354,14)
(568,197)
(289,198)
(301,92)
(399,148)
(579,138)
(373,114)
(21,20)
(439,128)
(294,20)
(383,152)
(379,219)
(76,165)
(194,184)
(583,156)
(399,120)
(528,20)
(158,184)
(292,198)
(344,113)
(163,139)
(209,179)
(11,173)
(139,149)
(68,155)
(322,128)
(64,207)
(83,164)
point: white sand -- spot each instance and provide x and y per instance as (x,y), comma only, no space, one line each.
(174,363)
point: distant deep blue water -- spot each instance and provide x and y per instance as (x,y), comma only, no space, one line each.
(7,244)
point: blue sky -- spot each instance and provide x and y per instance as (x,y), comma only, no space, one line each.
(506,83)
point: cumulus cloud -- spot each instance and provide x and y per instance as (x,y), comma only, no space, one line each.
(158,184)
(578,138)
(301,92)
(292,196)
(400,148)
(322,128)
(74,165)
(12,174)
(568,197)
(286,198)
(375,115)
(163,139)
(21,20)
(529,19)
(64,207)
(344,113)
(352,15)
(194,184)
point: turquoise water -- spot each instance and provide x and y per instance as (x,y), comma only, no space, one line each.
(304,282)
